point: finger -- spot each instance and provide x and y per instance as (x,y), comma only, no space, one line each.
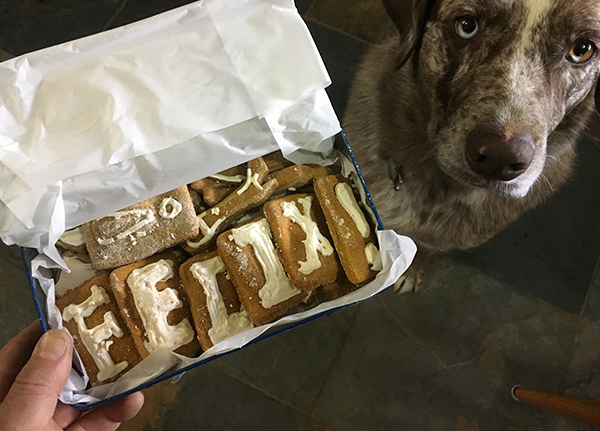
(110,416)
(32,399)
(65,415)
(15,355)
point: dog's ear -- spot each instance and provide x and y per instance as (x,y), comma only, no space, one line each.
(410,17)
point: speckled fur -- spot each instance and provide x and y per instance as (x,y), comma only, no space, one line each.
(514,74)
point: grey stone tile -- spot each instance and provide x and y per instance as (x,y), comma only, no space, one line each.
(592,307)
(209,400)
(16,302)
(292,366)
(341,55)
(5,55)
(583,376)
(364,19)
(446,357)
(29,25)
(551,251)
(303,6)
(135,10)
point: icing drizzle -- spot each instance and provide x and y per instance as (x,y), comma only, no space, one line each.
(142,217)
(315,241)
(223,325)
(95,339)
(344,194)
(277,287)
(154,306)
(228,178)
(175,208)
(251,179)
(207,231)
(371,253)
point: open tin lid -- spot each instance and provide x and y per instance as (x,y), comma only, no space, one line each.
(97,124)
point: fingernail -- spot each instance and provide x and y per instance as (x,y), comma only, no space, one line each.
(52,345)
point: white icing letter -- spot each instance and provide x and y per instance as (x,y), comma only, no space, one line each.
(228,178)
(371,253)
(94,339)
(344,194)
(142,217)
(173,212)
(250,179)
(223,325)
(155,306)
(277,287)
(207,231)
(315,242)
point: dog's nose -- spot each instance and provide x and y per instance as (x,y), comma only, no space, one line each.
(495,157)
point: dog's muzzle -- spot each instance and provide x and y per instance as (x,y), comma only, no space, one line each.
(496,157)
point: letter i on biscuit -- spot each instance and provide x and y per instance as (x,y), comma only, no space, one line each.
(251,260)
(352,235)
(154,305)
(299,230)
(214,303)
(91,315)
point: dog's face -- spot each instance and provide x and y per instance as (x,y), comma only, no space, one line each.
(500,76)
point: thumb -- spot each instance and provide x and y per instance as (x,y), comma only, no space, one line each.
(31,400)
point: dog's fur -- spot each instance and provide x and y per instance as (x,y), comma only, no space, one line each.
(417,100)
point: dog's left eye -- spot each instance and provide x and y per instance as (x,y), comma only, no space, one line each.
(466,27)
(581,52)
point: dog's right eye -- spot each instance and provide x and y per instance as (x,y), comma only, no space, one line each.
(466,27)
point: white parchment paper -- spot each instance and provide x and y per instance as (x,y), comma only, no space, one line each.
(97,124)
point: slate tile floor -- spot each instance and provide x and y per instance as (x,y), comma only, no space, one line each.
(522,309)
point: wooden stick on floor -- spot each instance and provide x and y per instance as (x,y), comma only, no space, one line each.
(587,411)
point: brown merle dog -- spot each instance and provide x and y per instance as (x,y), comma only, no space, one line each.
(470,117)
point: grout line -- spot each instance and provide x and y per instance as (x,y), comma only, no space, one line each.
(337,30)
(112,19)
(595,275)
(333,363)
(263,391)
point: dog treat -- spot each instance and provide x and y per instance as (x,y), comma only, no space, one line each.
(215,220)
(227,178)
(352,236)
(291,178)
(257,273)
(101,338)
(214,303)
(320,171)
(81,270)
(298,226)
(73,240)
(154,305)
(275,161)
(341,286)
(141,230)
(196,201)
(213,196)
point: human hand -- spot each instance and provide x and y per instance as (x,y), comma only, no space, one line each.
(32,374)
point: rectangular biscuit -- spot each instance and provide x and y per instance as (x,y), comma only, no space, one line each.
(253,193)
(214,303)
(257,273)
(141,230)
(102,339)
(300,233)
(154,306)
(353,237)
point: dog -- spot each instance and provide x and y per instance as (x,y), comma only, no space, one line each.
(470,116)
